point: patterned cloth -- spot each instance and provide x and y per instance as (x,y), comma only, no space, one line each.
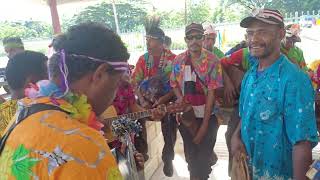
(218,52)
(295,55)
(52,144)
(147,66)
(240,58)
(277,111)
(7,111)
(124,98)
(207,67)
(315,73)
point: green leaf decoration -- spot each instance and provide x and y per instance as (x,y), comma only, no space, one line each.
(22,163)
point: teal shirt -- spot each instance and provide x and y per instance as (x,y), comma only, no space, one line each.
(277,111)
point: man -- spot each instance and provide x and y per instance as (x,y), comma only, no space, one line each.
(23,69)
(288,47)
(210,36)
(56,135)
(196,73)
(241,45)
(278,128)
(12,46)
(158,62)
(167,42)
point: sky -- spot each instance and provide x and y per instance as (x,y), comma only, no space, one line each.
(15,10)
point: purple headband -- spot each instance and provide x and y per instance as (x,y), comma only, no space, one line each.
(118,65)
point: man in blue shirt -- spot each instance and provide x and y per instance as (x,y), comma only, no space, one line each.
(278,128)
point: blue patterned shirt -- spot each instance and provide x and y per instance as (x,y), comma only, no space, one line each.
(277,111)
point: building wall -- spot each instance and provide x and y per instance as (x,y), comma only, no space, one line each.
(155,145)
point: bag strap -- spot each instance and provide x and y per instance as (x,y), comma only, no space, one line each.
(23,114)
(188,62)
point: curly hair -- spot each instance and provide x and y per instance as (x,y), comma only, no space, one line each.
(87,39)
(24,65)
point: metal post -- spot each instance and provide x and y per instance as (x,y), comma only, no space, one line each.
(54,16)
(115,16)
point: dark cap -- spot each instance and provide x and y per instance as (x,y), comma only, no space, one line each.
(194,27)
(156,33)
(268,16)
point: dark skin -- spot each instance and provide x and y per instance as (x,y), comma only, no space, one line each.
(94,85)
(264,42)
(209,41)
(155,48)
(195,47)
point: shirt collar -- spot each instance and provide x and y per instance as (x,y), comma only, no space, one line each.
(274,69)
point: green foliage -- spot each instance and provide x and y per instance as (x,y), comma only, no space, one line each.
(285,6)
(130,16)
(172,19)
(25,30)
(199,12)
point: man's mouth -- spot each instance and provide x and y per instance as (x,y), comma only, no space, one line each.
(256,47)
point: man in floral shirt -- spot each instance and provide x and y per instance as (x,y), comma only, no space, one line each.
(158,62)
(195,76)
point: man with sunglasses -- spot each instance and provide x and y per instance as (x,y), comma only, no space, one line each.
(195,76)
(277,129)
(157,61)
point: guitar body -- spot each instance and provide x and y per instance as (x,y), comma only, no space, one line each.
(189,120)
(110,112)
(236,76)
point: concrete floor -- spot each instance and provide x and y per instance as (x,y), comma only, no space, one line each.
(219,171)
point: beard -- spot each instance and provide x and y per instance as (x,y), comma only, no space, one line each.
(261,50)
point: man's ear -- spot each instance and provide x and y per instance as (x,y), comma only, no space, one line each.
(282,33)
(29,79)
(99,73)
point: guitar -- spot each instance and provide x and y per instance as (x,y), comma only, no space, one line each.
(236,76)
(171,108)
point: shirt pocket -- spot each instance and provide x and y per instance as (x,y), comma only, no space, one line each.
(267,109)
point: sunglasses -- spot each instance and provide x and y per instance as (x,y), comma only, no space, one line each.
(197,37)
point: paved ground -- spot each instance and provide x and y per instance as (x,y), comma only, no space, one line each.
(220,170)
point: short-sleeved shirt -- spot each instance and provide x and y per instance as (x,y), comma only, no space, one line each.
(295,54)
(52,145)
(124,98)
(277,112)
(207,67)
(241,58)
(315,73)
(148,66)
(218,52)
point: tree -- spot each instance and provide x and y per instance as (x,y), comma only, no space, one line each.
(26,29)
(285,6)
(130,16)
(199,12)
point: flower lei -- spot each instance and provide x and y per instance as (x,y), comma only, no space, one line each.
(75,104)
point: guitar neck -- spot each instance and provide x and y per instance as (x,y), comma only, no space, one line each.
(133,116)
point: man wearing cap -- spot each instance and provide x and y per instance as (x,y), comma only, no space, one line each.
(288,48)
(157,61)
(278,128)
(210,35)
(12,46)
(196,73)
